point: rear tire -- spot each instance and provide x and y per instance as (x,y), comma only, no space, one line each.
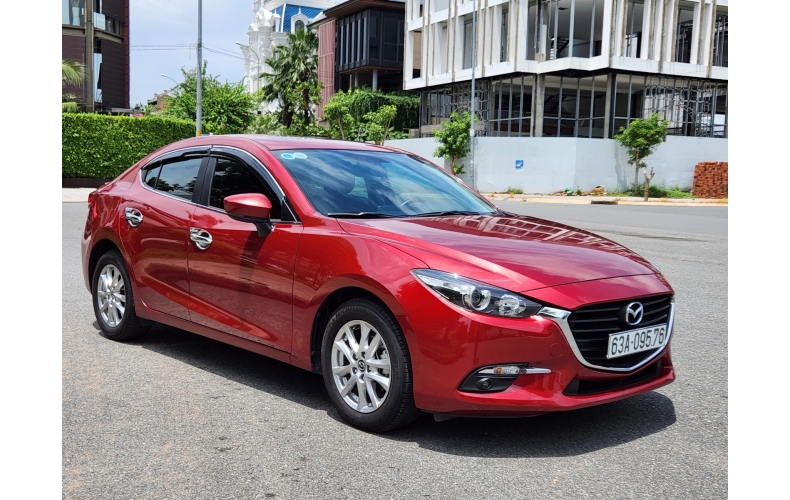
(367,368)
(113,299)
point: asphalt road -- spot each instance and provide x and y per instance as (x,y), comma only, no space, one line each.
(180,416)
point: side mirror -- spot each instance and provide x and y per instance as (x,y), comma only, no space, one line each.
(250,207)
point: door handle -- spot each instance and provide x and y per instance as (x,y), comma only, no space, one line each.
(133,216)
(201,237)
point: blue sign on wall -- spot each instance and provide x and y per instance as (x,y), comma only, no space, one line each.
(519,164)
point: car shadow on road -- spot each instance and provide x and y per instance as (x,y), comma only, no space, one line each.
(560,434)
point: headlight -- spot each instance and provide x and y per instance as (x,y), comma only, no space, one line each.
(476,296)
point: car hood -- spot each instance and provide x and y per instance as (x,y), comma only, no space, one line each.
(525,252)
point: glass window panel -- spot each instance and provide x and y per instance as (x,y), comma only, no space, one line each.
(526,130)
(584,127)
(467,57)
(619,122)
(585,97)
(637,97)
(530,28)
(599,97)
(568,108)
(621,96)
(598,128)
(551,101)
(567,128)
(150,175)
(179,177)
(233,177)
(683,37)
(550,127)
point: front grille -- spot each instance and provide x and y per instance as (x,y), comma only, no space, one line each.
(592,325)
(581,387)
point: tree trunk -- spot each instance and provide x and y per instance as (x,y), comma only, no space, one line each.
(636,175)
(647,181)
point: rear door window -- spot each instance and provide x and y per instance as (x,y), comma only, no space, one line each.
(177,178)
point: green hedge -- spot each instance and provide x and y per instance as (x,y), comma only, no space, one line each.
(365,100)
(103,146)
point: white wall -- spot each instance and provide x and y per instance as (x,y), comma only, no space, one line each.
(552,164)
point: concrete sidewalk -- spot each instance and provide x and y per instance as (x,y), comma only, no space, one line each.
(607,200)
(71,195)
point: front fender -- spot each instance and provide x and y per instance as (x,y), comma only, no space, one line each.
(329,259)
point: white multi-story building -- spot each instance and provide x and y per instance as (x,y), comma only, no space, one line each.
(570,68)
(274,19)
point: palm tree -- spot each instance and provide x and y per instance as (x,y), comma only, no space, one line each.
(294,65)
(73,73)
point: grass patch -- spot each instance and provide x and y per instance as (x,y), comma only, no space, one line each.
(513,190)
(656,191)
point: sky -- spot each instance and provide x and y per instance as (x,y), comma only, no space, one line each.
(156,24)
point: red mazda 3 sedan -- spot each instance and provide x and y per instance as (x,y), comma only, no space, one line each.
(401,285)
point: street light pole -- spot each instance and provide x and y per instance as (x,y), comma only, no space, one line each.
(472,96)
(257,67)
(174,81)
(199,74)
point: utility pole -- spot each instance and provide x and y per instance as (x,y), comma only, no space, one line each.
(472,96)
(199,73)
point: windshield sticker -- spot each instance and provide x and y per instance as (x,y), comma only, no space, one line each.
(287,156)
(301,156)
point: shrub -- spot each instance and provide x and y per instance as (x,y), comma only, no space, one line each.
(103,146)
(352,106)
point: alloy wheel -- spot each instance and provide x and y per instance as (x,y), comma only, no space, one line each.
(361,366)
(111,295)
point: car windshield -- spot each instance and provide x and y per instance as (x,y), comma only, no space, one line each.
(343,183)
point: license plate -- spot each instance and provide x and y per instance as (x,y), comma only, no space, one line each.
(644,339)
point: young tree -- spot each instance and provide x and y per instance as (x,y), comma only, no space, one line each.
(337,111)
(641,139)
(227,107)
(454,139)
(378,123)
(293,82)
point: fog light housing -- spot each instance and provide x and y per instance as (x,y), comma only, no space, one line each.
(497,378)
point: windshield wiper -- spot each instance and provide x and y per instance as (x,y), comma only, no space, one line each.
(360,215)
(447,212)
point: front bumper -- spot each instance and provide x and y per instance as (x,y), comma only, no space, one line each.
(452,343)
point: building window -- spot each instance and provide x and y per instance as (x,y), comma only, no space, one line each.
(685,30)
(503,40)
(73,12)
(573,28)
(468,36)
(437,105)
(299,25)
(574,107)
(97,60)
(695,108)
(633,28)
(511,107)
(720,37)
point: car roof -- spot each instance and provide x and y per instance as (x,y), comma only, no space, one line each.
(276,142)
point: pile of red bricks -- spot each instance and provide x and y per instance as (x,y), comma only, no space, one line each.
(710,180)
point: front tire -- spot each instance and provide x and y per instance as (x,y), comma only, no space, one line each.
(113,302)
(367,368)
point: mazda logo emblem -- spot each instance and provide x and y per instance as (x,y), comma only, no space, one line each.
(634,312)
